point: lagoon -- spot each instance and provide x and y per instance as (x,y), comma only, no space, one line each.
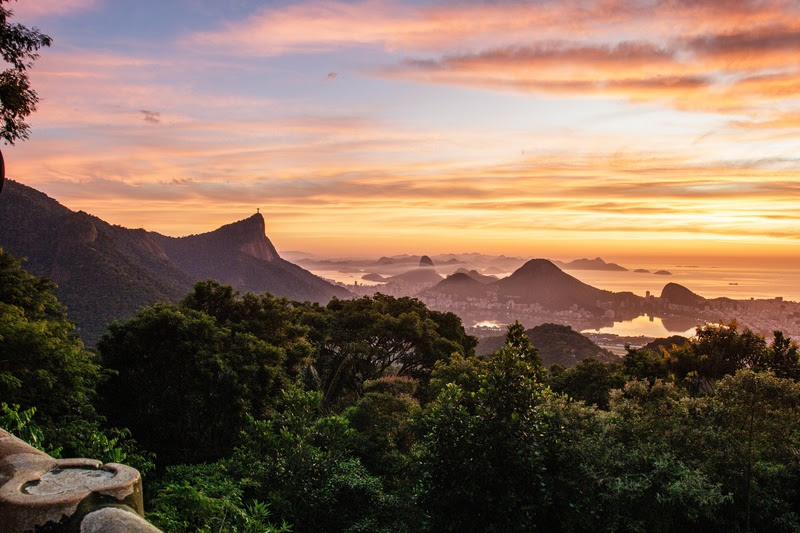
(646,326)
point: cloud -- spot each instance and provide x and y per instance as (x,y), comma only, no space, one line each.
(689,55)
(40,8)
(318,25)
(647,194)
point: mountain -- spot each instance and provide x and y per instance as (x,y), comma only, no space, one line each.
(417,276)
(680,295)
(557,344)
(477,276)
(537,282)
(106,272)
(540,281)
(590,264)
(425,273)
(241,255)
(460,285)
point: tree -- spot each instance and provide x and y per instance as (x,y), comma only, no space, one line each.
(716,351)
(383,419)
(19,47)
(205,497)
(45,370)
(485,439)
(756,416)
(301,464)
(266,317)
(645,363)
(590,381)
(783,357)
(367,338)
(42,360)
(184,383)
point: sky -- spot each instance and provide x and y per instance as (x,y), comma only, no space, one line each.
(557,129)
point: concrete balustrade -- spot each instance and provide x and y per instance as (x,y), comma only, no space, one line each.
(69,495)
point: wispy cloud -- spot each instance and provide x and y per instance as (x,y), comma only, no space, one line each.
(39,8)
(688,55)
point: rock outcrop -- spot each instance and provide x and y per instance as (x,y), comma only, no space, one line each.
(680,295)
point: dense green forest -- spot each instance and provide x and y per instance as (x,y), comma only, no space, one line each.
(254,413)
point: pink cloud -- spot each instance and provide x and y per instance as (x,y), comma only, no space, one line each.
(687,55)
(38,8)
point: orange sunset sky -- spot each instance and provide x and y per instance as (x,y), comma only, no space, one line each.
(545,128)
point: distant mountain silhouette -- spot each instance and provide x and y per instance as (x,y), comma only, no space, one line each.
(477,276)
(418,276)
(425,273)
(458,284)
(557,344)
(537,281)
(492,270)
(540,281)
(107,272)
(241,255)
(680,295)
(591,264)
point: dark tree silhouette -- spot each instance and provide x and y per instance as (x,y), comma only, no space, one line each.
(19,46)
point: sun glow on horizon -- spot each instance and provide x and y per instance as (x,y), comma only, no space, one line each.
(381,127)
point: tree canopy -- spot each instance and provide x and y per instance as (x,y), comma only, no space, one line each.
(19,47)
(42,360)
(374,415)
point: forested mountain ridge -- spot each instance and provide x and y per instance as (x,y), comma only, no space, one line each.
(106,272)
(557,345)
(240,254)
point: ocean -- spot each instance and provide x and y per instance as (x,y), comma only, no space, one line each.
(739,283)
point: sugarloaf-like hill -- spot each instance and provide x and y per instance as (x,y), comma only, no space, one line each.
(106,272)
(425,261)
(680,295)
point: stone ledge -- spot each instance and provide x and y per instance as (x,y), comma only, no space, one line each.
(66,494)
